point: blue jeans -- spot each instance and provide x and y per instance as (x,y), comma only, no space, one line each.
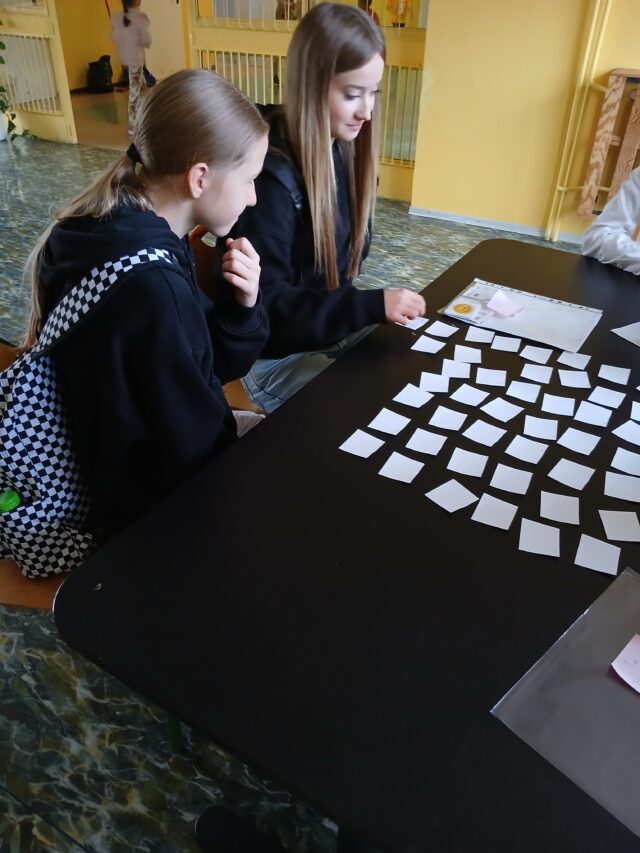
(271,381)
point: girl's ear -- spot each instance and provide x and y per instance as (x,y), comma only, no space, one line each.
(197,179)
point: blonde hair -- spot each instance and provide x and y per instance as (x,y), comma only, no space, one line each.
(190,117)
(330,39)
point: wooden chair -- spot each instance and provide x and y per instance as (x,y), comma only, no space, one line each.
(15,589)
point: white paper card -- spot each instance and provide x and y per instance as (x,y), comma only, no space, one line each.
(606,397)
(451,496)
(635,411)
(479,336)
(574,378)
(577,360)
(625,460)
(469,395)
(523,391)
(555,405)
(399,467)
(540,427)
(427,344)
(622,486)
(411,395)
(628,431)
(526,449)
(485,376)
(465,462)
(620,375)
(442,330)
(622,526)
(511,479)
(501,410)
(537,373)
(494,512)
(578,441)
(471,355)
(444,418)
(539,538)
(627,664)
(424,441)
(484,433)
(597,555)
(630,333)
(540,355)
(506,344)
(589,413)
(564,508)
(503,305)
(416,323)
(456,369)
(388,421)
(571,474)
(361,444)
(434,383)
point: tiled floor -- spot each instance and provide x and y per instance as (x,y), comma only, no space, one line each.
(84,762)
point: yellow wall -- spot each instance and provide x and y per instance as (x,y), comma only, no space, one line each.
(85,30)
(498,85)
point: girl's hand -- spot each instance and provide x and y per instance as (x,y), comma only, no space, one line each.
(241,268)
(402,305)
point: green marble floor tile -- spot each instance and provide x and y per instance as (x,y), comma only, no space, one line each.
(24,831)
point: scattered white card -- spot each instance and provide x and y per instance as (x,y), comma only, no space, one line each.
(606,397)
(503,305)
(539,538)
(494,512)
(451,496)
(619,375)
(574,378)
(505,344)
(388,421)
(434,383)
(540,427)
(627,664)
(455,369)
(469,395)
(571,474)
(622,526)
(526,449)
(511,479)
(444,418)
(485,376)
(399,467)
(470,355)
(537,373)
(625,460)
(628,431)
(589,413)
(442,330)
(464,462)
(578,441)
(479,336)
(577,360)
(630,333)
(427,344)
(424,441)
(501,410)
(361,444)
(523,391)
(411,395)
(555,405)
(540,355)
(622,486)
(635,411)
(564,508)
(597,555)
(484,433)
(416,323)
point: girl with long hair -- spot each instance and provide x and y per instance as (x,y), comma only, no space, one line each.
(140,377)
(130,31)
(311,224)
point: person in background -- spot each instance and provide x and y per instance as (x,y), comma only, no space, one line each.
(612,236)
(365,5)
(311,224)
(130,30)
(141,378)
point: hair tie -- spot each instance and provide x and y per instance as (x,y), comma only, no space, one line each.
(133,155)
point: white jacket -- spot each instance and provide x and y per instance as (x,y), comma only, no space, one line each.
(131,41)
(610,237)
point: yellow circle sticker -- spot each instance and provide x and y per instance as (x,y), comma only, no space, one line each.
(463,308)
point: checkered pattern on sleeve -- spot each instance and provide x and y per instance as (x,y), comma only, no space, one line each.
(36,456)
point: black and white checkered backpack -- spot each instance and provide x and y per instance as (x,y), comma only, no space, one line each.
(36,458)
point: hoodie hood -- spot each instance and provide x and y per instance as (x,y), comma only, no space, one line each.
(78,244)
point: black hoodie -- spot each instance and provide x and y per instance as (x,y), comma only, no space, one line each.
(141,376)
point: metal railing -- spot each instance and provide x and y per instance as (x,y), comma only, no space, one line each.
(28,74)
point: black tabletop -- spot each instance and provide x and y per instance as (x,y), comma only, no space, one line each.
(345,635)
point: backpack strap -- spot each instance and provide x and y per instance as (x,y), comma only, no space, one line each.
(85,295)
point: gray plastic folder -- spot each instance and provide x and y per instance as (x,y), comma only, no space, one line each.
(573,709)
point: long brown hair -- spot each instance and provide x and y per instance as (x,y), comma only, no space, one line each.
(330,39)
(190,117)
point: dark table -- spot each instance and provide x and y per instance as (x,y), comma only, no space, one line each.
(343,634)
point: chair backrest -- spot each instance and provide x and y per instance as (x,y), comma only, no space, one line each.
(7,355)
